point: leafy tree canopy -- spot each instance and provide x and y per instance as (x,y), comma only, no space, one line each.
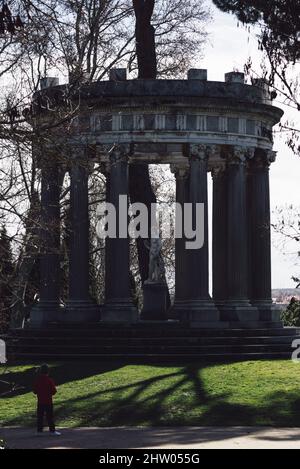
(280,20)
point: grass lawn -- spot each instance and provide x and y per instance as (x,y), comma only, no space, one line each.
(92,394)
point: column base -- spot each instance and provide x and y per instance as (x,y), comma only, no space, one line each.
(155,301)
(119,310)
(197,312)
(268,311)
(219,303)
(239,311)
(178,308)
(44,313)
(173,314)
(81,311)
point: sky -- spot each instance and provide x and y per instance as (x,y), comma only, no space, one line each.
(228,49)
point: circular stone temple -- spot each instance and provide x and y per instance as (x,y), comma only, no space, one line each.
(196,126)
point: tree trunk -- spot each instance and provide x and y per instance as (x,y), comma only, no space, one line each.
(145,39)
(140,188)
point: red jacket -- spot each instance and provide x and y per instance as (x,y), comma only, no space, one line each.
(44,388)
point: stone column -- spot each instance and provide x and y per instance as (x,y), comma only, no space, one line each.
(119,305)
(80,307)
(181,275)
(48,308)
(219,239)
(260,238)
(108,254)
(198,309)
(237,306)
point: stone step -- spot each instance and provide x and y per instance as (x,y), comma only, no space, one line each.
(168,324)
(154,357)
(146,349)
(152,331)
(150,340)
(30,340)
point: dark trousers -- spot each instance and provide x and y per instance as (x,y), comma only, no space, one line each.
(43,409)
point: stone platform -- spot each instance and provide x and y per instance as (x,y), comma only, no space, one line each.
(155,341)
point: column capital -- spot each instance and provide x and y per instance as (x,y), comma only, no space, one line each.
(198,151)
(203,152)
(239,155)
(120,153)
(217,171)
(104,167)
(262,159)
(180,170)
(117,151)
(271,156)
(80,157)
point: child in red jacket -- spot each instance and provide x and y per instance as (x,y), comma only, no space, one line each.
(44,388)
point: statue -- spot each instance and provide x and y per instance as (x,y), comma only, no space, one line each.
(155,288)
(156,264)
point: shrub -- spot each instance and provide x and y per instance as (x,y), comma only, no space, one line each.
(291,316)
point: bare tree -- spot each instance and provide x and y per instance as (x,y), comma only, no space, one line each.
(78,40)
(278,32)
(286,224)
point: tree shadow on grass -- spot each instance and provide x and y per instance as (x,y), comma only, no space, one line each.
(171,398)
(16,383)
(202,408)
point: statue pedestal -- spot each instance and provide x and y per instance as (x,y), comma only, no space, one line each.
(155,301)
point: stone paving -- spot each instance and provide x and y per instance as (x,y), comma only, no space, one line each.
(157,438)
